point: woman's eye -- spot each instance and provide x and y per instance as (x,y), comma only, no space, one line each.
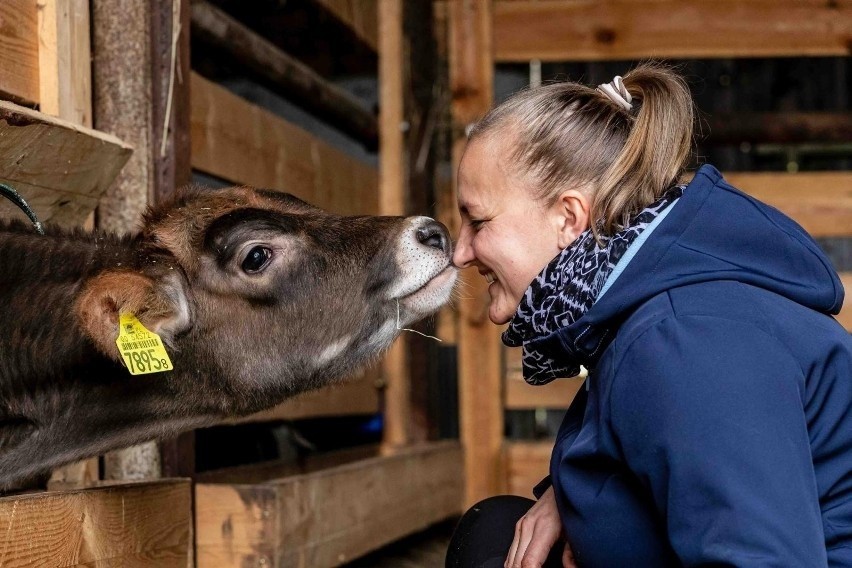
(256,260)
(476,224)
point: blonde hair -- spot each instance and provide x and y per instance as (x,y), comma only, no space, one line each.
(571,135)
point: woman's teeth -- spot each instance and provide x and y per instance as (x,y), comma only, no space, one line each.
(490,277)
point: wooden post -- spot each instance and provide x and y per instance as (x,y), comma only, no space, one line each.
(392,183)
(65,91)
(480,374)
(141,77)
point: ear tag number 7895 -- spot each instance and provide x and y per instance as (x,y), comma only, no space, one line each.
(142,351)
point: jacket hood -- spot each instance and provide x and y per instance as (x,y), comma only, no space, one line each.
(714,232)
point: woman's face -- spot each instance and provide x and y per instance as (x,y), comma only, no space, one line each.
(508,235)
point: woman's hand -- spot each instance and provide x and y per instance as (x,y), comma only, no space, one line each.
(535,535)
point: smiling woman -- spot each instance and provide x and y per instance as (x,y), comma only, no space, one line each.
(712,430)
(507,233)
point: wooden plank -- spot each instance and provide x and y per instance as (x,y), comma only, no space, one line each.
(392,185)
(360,15)
(19,73)
(819,201)
(243,143)
(329,517)
(356,396)
(845,315)
(527,463)
(585,30)
(479,355)
(65,91)
(288,75)
(65,60)
(131,525)
(263,472)
(60,168)
(778,127)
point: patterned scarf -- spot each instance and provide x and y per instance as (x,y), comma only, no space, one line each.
(567,288)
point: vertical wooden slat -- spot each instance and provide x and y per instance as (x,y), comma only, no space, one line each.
(65,91)
(64,54)
(19,51)
(392,181)
(170,152)
(480,378)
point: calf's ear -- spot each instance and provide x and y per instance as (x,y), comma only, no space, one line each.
(160,304)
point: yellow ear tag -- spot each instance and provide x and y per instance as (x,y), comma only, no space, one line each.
(141,350)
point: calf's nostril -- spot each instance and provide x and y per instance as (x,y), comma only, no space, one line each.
(434,236)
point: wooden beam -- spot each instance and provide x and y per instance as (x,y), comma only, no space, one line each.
(243,143)
(329,517)
(480,373)
(65,91)
(65,60)
(170,147)
(527,463)
(19,71)
(60,168)
(778,127)
(294,79)
(360,15)
(139,525)
(819,201)
(395,370)
(263,472)
(571,30)
(356,396)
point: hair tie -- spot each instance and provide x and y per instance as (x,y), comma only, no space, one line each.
(617,92)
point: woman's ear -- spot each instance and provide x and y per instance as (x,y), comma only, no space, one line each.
(572,211)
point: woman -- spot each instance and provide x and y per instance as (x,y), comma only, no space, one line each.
(715,426)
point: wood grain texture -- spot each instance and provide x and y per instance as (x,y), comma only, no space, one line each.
(360,15)
(129,525)
(358,395)
(527,463)
(585,30)
(19,71)
(331,516)
(60,168)
(392,198)
(65,60)
(243,143)
(479,347)
(821,202)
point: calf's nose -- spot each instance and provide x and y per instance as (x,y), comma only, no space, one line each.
(434,234)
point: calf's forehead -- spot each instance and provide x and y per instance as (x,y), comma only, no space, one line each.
(181,225)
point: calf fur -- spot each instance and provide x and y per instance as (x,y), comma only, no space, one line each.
(257,295)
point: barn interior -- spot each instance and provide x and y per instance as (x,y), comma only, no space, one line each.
(361,107)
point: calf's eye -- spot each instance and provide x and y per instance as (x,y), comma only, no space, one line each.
(256,260)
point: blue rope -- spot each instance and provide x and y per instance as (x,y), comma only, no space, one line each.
(13,196)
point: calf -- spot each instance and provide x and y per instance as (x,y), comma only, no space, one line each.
(256,295)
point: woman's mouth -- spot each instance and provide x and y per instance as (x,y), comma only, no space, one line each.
(490,277)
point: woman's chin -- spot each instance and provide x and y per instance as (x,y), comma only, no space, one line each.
(498,316)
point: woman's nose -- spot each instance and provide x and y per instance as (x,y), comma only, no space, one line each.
(463,253)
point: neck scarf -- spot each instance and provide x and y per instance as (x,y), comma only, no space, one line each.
(565,290)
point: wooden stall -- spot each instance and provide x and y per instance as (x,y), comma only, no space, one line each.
(67,66)
(482,34)
(51,155)
(325,510)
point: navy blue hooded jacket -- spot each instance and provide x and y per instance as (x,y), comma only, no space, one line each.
(716,424)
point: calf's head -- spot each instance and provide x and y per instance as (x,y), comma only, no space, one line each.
(264,289)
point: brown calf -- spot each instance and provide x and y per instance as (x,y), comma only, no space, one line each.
(257,296)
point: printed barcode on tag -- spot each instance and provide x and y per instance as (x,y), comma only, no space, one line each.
(139,344)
